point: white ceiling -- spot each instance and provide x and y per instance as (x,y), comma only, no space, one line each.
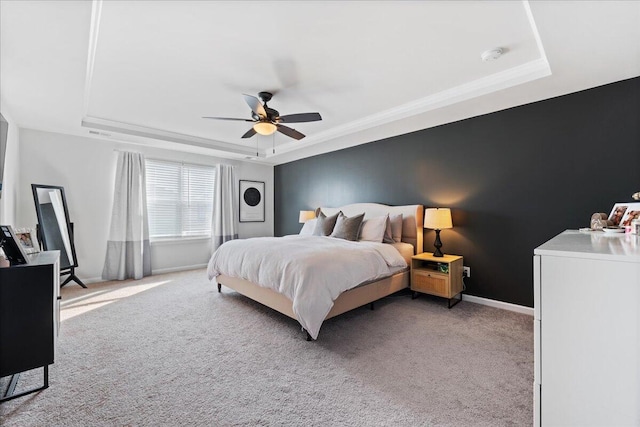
(147,71)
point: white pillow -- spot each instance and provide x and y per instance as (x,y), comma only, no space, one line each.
(373,229)
(307,228)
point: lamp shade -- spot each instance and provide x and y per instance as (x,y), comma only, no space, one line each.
(437,218)
(264,128)
(306,216)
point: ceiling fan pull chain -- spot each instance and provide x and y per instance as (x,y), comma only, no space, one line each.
(273,135)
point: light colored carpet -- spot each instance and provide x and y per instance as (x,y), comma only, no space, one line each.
(170,350)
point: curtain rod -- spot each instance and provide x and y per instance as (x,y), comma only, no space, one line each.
(171,161)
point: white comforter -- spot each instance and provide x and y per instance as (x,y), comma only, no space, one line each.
(310,270)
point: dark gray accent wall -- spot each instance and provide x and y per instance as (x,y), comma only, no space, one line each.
(513,179)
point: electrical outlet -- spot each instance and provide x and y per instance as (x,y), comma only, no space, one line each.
(466,271)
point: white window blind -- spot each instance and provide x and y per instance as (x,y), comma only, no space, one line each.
(179,199)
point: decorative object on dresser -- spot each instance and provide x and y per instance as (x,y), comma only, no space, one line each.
(55,231)
(29,319)
(437,275)
(251,201)
(437,219)
(586,297)
(599,220)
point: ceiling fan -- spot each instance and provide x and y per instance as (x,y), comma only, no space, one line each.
(267,120)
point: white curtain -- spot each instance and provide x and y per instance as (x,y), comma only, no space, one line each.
(128,253)
(223,224)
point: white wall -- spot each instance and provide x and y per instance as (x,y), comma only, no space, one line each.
(86,168)
(9,196)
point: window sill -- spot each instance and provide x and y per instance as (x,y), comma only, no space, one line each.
(178,240)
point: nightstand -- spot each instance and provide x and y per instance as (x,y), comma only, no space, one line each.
(439,276)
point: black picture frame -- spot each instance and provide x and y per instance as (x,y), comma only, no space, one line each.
(13,250)
(251,201)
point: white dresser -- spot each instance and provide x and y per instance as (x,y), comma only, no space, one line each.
(587,330)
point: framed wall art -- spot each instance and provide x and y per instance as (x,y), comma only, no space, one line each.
(251,201)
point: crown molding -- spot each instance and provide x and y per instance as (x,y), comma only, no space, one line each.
(163,135)
(524,73)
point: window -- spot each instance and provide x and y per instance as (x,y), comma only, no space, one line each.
(179,199)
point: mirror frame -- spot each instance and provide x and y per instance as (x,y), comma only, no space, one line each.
(41,235)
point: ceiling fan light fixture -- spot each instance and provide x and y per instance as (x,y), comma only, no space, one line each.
(265,128)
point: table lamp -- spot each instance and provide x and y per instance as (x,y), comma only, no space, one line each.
(437,219)
(306,216)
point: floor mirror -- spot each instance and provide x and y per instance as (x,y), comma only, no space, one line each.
(55,231)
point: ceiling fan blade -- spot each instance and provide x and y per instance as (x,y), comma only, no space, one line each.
(228,118)
(290,132)
(249,133)
(255,105)
(300,118)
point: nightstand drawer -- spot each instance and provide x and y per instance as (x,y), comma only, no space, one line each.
(430,282)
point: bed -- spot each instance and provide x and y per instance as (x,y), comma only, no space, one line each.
(245,278)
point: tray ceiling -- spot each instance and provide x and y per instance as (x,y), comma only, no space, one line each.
(146,72)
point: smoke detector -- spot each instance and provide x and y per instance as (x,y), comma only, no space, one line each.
(492,54)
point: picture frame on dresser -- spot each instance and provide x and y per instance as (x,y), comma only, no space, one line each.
(618,212)
(11,247)
(632,212)
(28,240)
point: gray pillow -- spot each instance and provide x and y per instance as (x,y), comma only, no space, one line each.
(393,233)
(347,228)
(324,224)
(396,227)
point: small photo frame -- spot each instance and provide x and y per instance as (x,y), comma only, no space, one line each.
(251,201)
(28,240)
(618,212)
(632,212)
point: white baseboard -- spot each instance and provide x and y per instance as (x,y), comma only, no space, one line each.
(470,298)
(498,304)
(153,272)
(174,269)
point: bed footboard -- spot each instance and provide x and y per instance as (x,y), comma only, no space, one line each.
(348,300)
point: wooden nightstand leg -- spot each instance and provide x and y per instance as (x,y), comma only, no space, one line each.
(455,299)
(414,295)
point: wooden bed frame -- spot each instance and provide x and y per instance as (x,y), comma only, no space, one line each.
(412,229)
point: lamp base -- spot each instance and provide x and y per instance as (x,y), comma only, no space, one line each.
(438,244)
